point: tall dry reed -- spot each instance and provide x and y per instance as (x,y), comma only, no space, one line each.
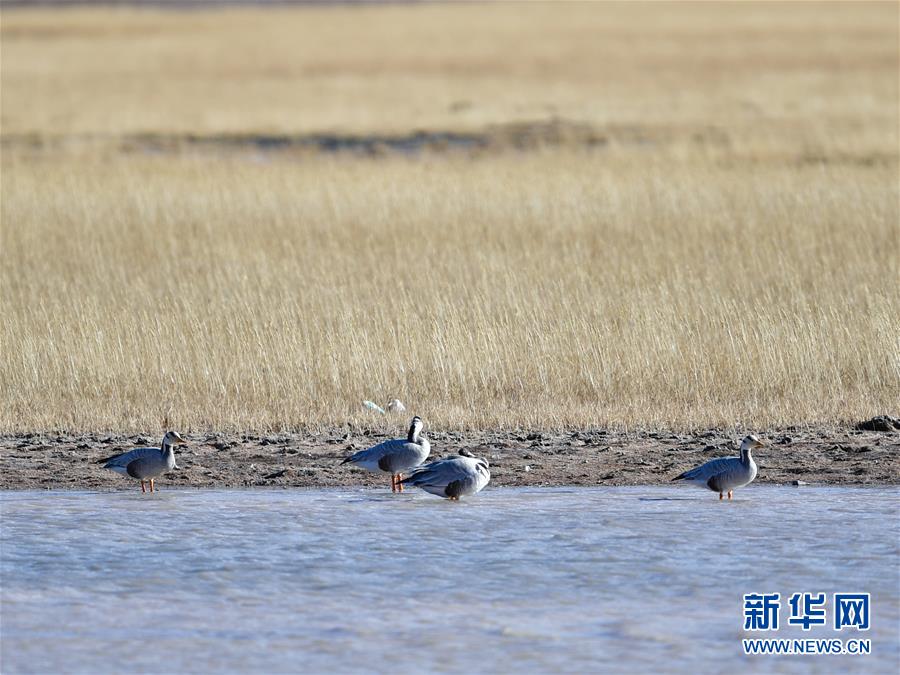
(543,290)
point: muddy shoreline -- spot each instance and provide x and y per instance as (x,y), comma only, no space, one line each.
(830,456)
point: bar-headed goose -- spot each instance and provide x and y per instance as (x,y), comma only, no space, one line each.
(727,473)
(453,477)
(395,456)
(146,463)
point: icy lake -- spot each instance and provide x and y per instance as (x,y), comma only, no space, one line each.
(512,580)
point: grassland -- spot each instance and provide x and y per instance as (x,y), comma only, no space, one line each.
(724,251)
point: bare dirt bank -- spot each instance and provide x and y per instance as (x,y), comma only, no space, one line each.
(833,455)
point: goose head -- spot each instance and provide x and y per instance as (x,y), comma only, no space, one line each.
(415,428)
(749,443)
(173,438)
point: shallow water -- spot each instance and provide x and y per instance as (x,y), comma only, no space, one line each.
(513,580)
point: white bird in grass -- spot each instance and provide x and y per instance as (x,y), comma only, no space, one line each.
(396,405)
(726,473)
(147,463)
(395,456)
(453,477)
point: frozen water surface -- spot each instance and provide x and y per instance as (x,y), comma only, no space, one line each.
(514,580)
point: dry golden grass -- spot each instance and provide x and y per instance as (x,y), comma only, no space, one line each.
(729,257)
(559,289)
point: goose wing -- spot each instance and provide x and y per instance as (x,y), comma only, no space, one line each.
(443,472)
(122,461)
(714,467)
(378,457)
(734,475)
(406,456)
(453,478)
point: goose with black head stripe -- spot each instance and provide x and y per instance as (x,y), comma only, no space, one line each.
(395,456)
(726,473)
(453,477)
(145,464)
